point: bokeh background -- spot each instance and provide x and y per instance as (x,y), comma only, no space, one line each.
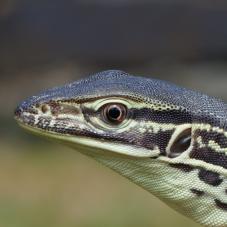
(45,43)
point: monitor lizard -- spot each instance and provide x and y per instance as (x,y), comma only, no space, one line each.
(167,139)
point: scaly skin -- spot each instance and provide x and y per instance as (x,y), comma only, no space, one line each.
(169,140)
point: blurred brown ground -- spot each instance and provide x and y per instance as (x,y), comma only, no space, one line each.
(45,44)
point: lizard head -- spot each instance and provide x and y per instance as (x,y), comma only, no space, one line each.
(169,140)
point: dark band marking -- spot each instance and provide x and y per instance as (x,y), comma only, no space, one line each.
(210,156)
(219,138)
(149,114)
(55,107)
(197,192)
(161,139)
(43,122)
(161,116)
(210,177)
(134,137)
(146,140)
(183,167)
(221,205)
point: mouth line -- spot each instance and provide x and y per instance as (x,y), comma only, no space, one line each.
(34,128)
(88,144)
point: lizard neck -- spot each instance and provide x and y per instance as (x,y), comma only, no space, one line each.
(172,187)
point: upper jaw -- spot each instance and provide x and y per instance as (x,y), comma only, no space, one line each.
(80,138)
(25,116)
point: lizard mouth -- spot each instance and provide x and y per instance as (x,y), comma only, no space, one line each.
(88,145)
(76,135)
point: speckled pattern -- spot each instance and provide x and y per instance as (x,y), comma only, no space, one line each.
(114,82)
(192,180)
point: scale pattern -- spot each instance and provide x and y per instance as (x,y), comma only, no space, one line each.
(194,181)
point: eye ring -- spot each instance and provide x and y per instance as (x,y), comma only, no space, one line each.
(114,113)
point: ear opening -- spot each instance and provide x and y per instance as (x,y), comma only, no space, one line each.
(180,141)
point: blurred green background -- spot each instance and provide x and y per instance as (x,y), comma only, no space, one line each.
(49,43)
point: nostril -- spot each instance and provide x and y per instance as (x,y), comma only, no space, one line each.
(44,108)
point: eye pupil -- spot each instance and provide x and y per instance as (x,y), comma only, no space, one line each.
(114,113)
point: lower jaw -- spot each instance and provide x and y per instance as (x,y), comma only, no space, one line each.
(92,146)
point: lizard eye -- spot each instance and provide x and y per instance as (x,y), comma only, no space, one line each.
(114,113)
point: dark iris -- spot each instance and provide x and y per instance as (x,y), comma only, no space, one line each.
(114,113)
(181,144)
